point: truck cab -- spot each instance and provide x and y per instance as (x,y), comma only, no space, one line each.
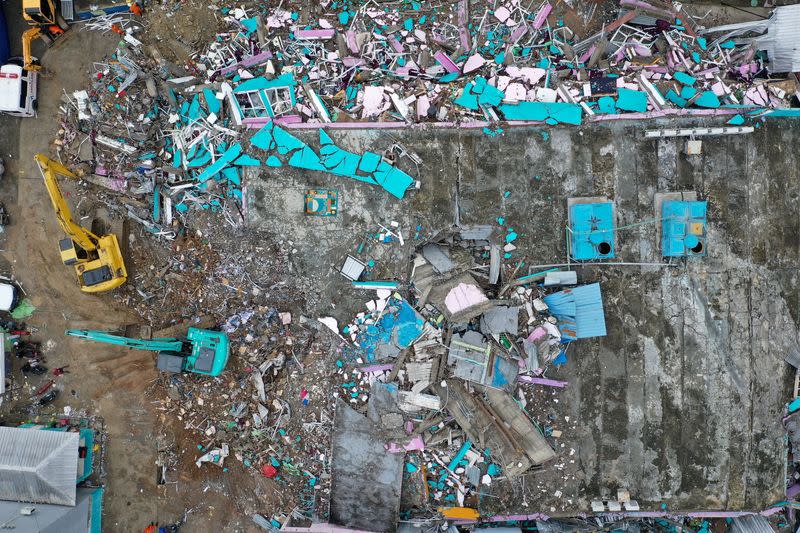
(18,88)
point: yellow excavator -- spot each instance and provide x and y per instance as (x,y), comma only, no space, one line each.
(46,23)
(97,260)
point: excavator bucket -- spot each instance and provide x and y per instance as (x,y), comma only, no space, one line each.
(97,260)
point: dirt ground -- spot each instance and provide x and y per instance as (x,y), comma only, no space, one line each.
(112,383)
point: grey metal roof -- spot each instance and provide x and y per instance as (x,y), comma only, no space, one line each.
(38,466)
(780,40)
(751,524)
(781,43)
(48,518)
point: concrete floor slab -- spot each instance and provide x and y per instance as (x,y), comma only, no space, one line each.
(681,402)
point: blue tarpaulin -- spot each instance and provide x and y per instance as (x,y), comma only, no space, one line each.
(396,330)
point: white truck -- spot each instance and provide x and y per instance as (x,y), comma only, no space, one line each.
(18,88)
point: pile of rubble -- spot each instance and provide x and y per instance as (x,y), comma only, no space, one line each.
(444,374)
(440,369)
(167,138)
(166,143)
(459,62)
(268,414)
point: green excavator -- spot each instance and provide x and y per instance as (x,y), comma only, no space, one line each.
(202,352)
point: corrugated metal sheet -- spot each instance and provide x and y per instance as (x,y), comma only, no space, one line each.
(782,39)
(793,356)
(38,466)
(579,311)
(751,524)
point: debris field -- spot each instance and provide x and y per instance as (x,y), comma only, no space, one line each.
(389,369)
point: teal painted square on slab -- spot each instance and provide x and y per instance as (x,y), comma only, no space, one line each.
(683,228)
(592,231)
(322,202)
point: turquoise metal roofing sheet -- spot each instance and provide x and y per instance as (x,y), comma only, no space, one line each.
(579,312)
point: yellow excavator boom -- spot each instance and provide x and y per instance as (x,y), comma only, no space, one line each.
(46,23)
(97,260)
(30,35)
(50,169)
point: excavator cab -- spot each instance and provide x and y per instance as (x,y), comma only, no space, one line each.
(93,272)
(97,260)
(41,13)
(71,254)
(46,23)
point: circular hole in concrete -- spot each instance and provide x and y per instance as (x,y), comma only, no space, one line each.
(604,248)
(698,248)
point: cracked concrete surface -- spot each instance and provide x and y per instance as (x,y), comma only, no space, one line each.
(681,402)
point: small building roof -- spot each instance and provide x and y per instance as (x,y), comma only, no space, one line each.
(84,517)
(38,466)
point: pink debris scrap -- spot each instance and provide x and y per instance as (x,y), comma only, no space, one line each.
(537,334)
(423,104)
(541,16)
(374,101)
(543,381)
(502,13)
(463,296)
(314,34)
(473,63)
(446,62)
(415,444)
